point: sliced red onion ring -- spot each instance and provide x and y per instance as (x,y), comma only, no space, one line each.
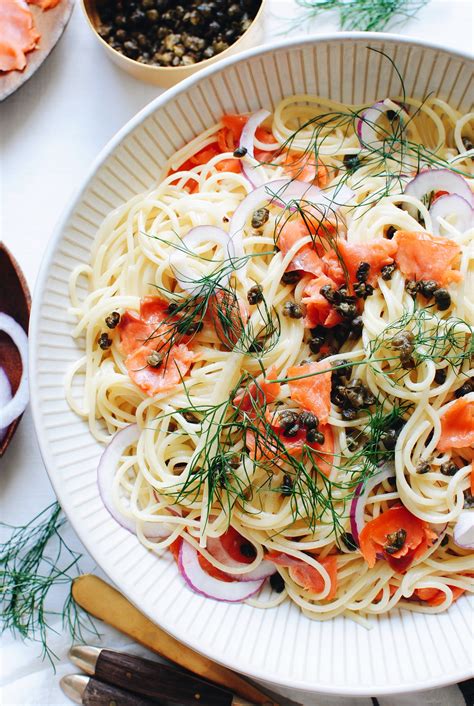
(208,586)
(105,473)
(263,570)
(451,205)
(247,142)
(463,534)
(180,261)
(281,192)
(5,396)
(433,180)
(255,199)
(365,125)
(361,494)
(11,410)
(302,191)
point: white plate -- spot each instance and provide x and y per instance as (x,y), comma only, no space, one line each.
(403,651)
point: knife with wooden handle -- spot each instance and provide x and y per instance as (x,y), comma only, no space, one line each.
(107,604)
(150,679)
(91,692)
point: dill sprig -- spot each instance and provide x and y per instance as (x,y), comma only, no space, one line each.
(365,15)
(438,340)
(229,471)
(217,305)
(33,561)
(387,157)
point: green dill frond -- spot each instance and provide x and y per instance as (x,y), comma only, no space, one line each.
(228,474)
(216,304)
(363,15)
(33,561)
(449,341)
(387,157)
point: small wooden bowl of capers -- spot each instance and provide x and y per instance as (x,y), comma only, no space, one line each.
(164,41)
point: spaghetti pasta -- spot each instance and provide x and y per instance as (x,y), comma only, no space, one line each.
(276,369)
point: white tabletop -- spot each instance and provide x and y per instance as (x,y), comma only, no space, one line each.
(50,131)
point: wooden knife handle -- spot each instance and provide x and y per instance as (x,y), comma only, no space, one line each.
(153,679)
(106,603)
(97,693)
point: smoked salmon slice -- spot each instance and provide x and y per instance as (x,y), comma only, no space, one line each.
(457,426)
(304,168)
(258,394)
(138,329)
(313,392)
(319,311)
(428,257)
(44,4)
(153,380)
(18,34)
(378,536)
(154,310)
(305,575)
(306,258)
(435,597)
(324,456)
(143,333)
(343,264)
(228,137)
(267,448)
(228,314)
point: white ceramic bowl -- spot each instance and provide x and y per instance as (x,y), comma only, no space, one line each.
(403,651)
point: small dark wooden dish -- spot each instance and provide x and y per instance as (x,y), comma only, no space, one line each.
(15,300)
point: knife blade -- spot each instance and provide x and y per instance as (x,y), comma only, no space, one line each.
(151,679)
(104,602)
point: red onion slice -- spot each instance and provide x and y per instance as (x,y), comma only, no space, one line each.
(254,200)
(452,205)
(262,571)
(208,586)
(5,396)
(326,201)
(361,494)
(247,142)
(105,474)
(463,534)
(180,261)
(433,180)
(13,408)
(281,192)
(366,124)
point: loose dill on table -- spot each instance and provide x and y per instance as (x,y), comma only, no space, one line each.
(33,561)
(364,15)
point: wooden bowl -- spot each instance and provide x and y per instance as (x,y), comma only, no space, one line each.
(15,300)
(166,76)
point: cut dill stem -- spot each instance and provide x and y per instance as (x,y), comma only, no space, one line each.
(34,560)
(365,15)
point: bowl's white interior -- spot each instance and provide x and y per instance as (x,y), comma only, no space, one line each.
(403,650)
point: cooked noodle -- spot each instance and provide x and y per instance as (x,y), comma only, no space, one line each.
(131,260)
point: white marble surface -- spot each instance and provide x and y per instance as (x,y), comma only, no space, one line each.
(50,131)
